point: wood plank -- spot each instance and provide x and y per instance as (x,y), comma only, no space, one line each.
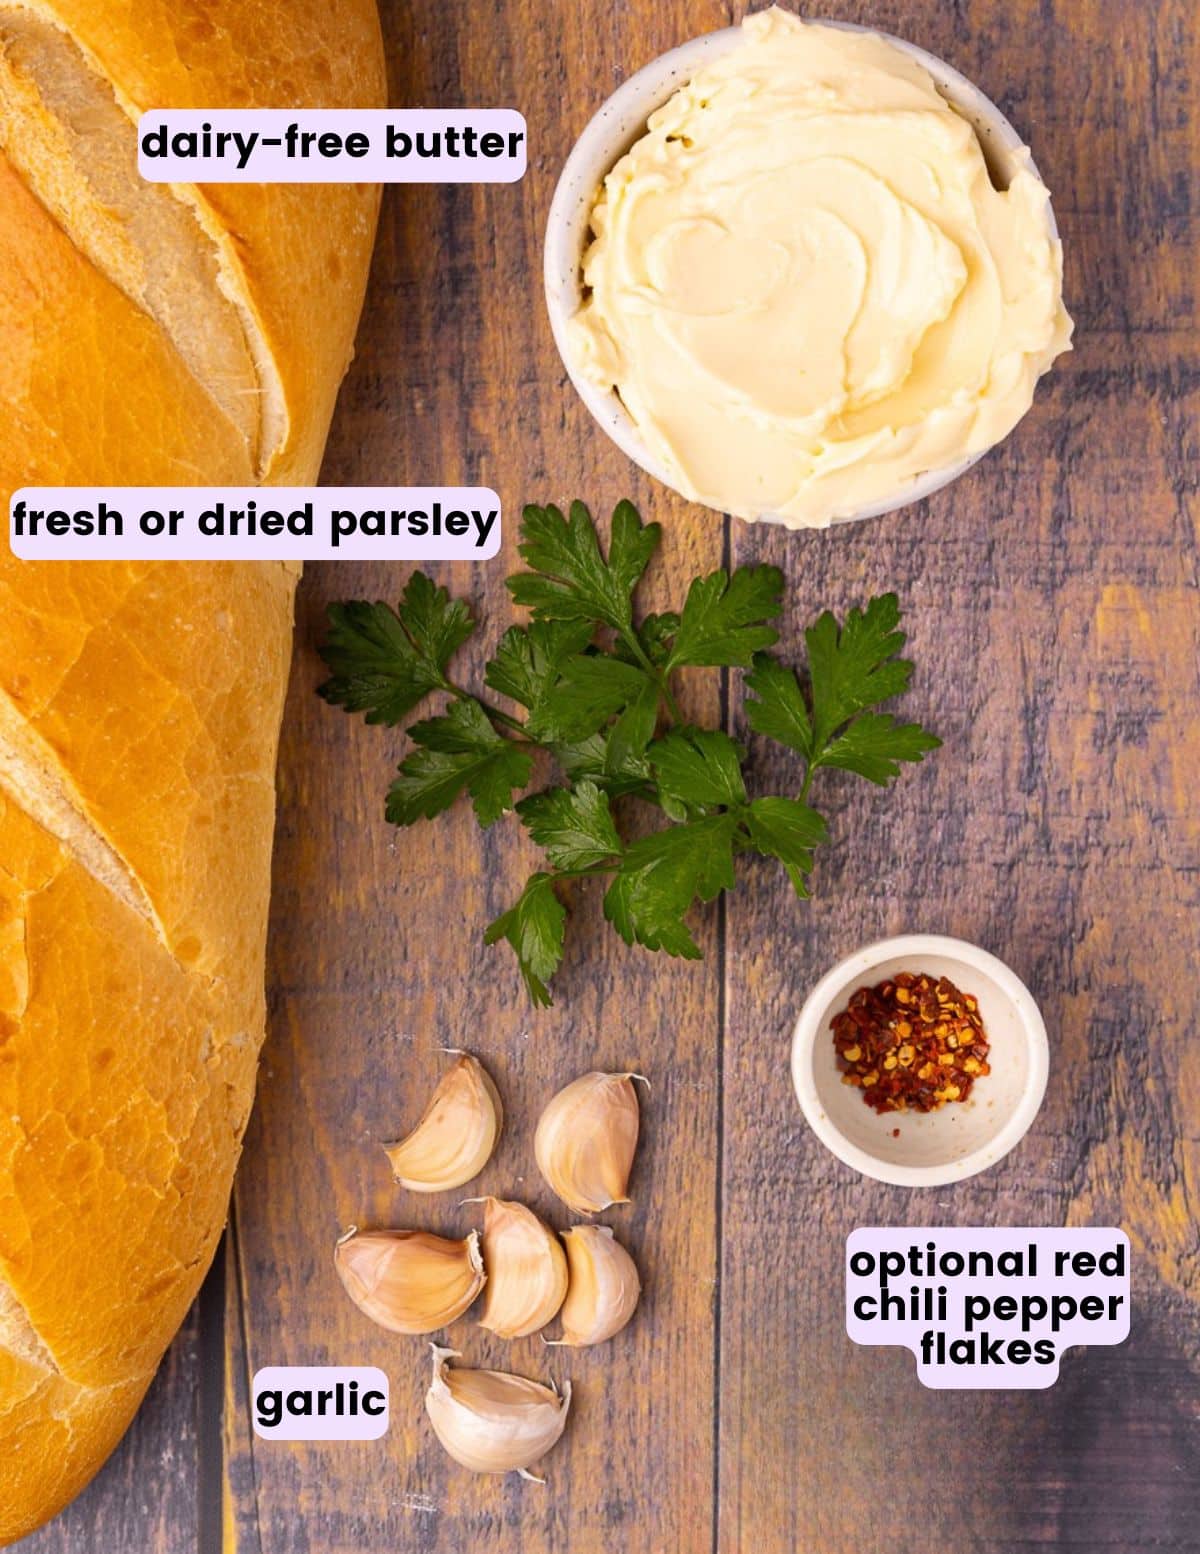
(1052,604)
(376,957)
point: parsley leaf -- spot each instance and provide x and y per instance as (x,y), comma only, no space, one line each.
(593,759)
(661,875)
(853,667)
(463,730)
(591,688)
(571,580)
(633,730)
(534,927)
(781,713)
(437,624)
(875,744)
(461,750)
(787,830)
(724,618)
(428,783)
(574,826)
(698,767)
(528,660)
(383,660)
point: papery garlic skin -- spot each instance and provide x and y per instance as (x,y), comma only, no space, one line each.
(604,1286)
(527,1270)
(586,1138)
(492,1422)
(409,1281)
(457,1132)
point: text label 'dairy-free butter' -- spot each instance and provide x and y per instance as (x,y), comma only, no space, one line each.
(804,285)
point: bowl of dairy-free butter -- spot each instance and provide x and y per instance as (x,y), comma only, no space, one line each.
(803,271)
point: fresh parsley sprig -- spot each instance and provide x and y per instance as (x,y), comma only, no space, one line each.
(594,687)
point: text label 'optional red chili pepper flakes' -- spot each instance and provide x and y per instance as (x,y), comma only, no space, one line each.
(912,1042)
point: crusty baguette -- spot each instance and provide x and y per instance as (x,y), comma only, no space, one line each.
(148,335)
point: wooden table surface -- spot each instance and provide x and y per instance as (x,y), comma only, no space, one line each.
(1054,612)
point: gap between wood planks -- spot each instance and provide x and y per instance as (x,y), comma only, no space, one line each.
(719,1151)
(224,1279)
(209,1403)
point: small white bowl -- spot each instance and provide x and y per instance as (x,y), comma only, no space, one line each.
(608,136)
(961,1138)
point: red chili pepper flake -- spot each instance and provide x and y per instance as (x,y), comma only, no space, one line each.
(912,1041)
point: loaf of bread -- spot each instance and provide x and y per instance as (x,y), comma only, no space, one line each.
(156,335)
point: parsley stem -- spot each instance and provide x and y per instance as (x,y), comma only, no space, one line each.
(515,724)
(596,871)
(672,704)
(630,638)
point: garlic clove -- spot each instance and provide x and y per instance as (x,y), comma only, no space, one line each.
(527,1270)
(457,1132)
(604,1288)
(586,1138)
(409,1281)
(492,1422)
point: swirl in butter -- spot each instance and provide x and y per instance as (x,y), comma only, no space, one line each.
(804,286)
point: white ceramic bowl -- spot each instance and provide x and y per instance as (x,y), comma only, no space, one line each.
(607,137)
(960,1139)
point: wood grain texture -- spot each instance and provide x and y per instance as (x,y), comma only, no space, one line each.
(1054,616)
(377,959)
(1053,601)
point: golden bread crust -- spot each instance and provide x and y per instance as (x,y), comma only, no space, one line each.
(139,716)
